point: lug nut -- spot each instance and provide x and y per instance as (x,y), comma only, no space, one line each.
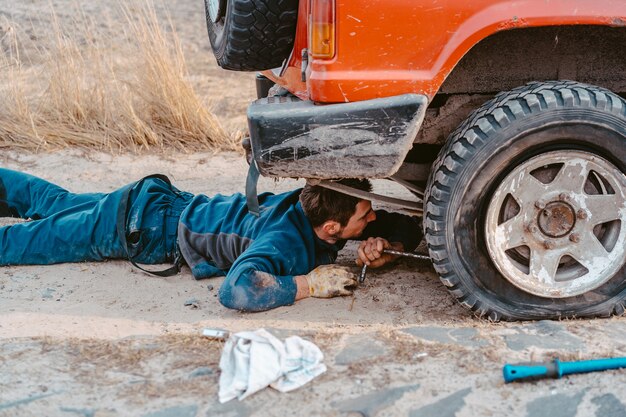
(540,205)
(581,214)
(548,244)
(532,229)
(563,196)
(574,237)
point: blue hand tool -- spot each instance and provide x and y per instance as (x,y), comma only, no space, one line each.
(556,369)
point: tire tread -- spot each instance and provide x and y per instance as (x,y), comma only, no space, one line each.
(257,36)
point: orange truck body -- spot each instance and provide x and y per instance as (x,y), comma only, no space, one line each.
(391,47)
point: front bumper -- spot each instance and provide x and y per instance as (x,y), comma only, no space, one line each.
(295,138)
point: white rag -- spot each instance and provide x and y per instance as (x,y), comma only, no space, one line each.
(253,360)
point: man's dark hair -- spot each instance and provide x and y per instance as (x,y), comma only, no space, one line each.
(322,204)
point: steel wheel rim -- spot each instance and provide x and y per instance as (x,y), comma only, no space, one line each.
(216,9)
(563,237)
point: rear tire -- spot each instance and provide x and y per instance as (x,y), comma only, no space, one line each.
(552,125)
(251,35)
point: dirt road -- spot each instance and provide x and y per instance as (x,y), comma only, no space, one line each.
(104,339)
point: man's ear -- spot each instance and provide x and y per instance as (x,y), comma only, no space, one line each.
(331,227)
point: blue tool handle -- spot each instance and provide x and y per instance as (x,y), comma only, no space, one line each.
(592,365)
(524,371)
(557,368)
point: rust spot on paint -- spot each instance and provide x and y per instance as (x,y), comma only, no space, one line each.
(514,22)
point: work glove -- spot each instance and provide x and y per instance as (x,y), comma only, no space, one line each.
(328,281)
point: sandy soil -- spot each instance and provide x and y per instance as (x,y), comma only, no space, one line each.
(84,289)
(103,339)
(106,339)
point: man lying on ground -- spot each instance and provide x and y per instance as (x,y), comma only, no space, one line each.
(270,260)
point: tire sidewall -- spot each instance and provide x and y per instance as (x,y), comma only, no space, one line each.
(218,31)
(584,129)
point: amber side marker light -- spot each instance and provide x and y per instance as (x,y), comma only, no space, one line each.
(322,29)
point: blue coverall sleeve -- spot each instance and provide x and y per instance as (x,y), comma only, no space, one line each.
(262,278)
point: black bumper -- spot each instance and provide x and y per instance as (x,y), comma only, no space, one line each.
(295,138)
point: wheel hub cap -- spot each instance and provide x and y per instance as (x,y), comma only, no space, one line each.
(557,219)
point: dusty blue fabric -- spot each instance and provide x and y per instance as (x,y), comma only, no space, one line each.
(69,227)
(152,223)
(261,255)
(217,236)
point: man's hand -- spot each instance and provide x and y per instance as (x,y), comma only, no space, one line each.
(328,281)
(371,252)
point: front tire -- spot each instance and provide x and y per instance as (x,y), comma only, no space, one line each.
(525,208)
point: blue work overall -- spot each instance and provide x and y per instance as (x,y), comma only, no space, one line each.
(68,227)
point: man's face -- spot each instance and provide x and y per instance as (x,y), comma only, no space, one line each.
(359,220)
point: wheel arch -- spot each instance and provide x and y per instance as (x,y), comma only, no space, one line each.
(588,54)
(584,53)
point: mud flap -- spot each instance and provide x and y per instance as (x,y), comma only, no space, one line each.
(294,138)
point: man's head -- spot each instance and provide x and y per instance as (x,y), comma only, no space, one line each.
(335,215)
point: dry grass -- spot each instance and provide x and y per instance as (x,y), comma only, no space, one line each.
(116,85)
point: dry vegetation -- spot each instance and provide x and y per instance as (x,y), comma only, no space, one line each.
(109,85)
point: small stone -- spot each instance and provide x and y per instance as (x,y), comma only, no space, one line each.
(209,287)
(201,371)
(192,302)
(48,292)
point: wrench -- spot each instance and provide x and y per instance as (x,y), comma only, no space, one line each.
(392,252)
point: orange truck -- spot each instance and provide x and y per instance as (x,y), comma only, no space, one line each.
(505,119)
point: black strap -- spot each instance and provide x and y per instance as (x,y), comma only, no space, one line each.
(252,199)
(122,212)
